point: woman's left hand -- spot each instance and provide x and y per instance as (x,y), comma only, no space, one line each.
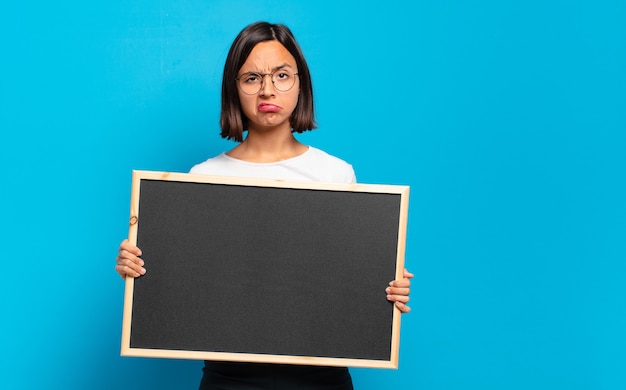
(398,292)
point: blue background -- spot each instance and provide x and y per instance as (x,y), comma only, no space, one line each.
(506,118)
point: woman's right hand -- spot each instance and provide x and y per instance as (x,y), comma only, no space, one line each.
(128,260)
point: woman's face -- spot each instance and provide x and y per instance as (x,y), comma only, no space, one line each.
(269,107)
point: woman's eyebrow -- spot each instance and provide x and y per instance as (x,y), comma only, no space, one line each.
(285,65)
(282,66)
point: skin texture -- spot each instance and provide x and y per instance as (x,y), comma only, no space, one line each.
(269,139)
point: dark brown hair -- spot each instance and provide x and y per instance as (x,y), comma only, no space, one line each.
(232,120)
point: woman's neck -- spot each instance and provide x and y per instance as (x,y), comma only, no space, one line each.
(268,146)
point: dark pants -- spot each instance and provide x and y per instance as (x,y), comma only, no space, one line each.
(256,376)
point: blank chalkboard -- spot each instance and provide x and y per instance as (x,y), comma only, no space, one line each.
(264,270)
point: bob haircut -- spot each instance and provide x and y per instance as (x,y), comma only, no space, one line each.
(232,120)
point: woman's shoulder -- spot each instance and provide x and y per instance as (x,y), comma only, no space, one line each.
(321,155)
(211,165)
(338,169)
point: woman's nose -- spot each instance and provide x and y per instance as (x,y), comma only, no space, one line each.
(267,86)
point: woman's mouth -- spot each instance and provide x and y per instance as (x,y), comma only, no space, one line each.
(267,107)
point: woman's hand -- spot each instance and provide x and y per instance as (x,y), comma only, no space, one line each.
(128,260)
(398,292)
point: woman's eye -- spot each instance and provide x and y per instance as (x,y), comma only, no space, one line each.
(253,78)
(283,76)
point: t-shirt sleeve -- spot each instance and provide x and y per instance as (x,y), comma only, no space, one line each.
(351,176)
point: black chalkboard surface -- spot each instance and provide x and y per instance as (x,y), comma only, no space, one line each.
(264,270)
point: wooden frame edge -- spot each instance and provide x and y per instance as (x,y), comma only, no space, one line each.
(397,314)
(307,185)
(130,282)
(258,358)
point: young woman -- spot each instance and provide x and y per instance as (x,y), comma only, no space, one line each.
(267,92)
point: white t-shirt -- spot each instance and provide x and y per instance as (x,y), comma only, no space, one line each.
(312,165)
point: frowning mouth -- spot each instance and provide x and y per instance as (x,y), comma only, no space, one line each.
(267,107)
